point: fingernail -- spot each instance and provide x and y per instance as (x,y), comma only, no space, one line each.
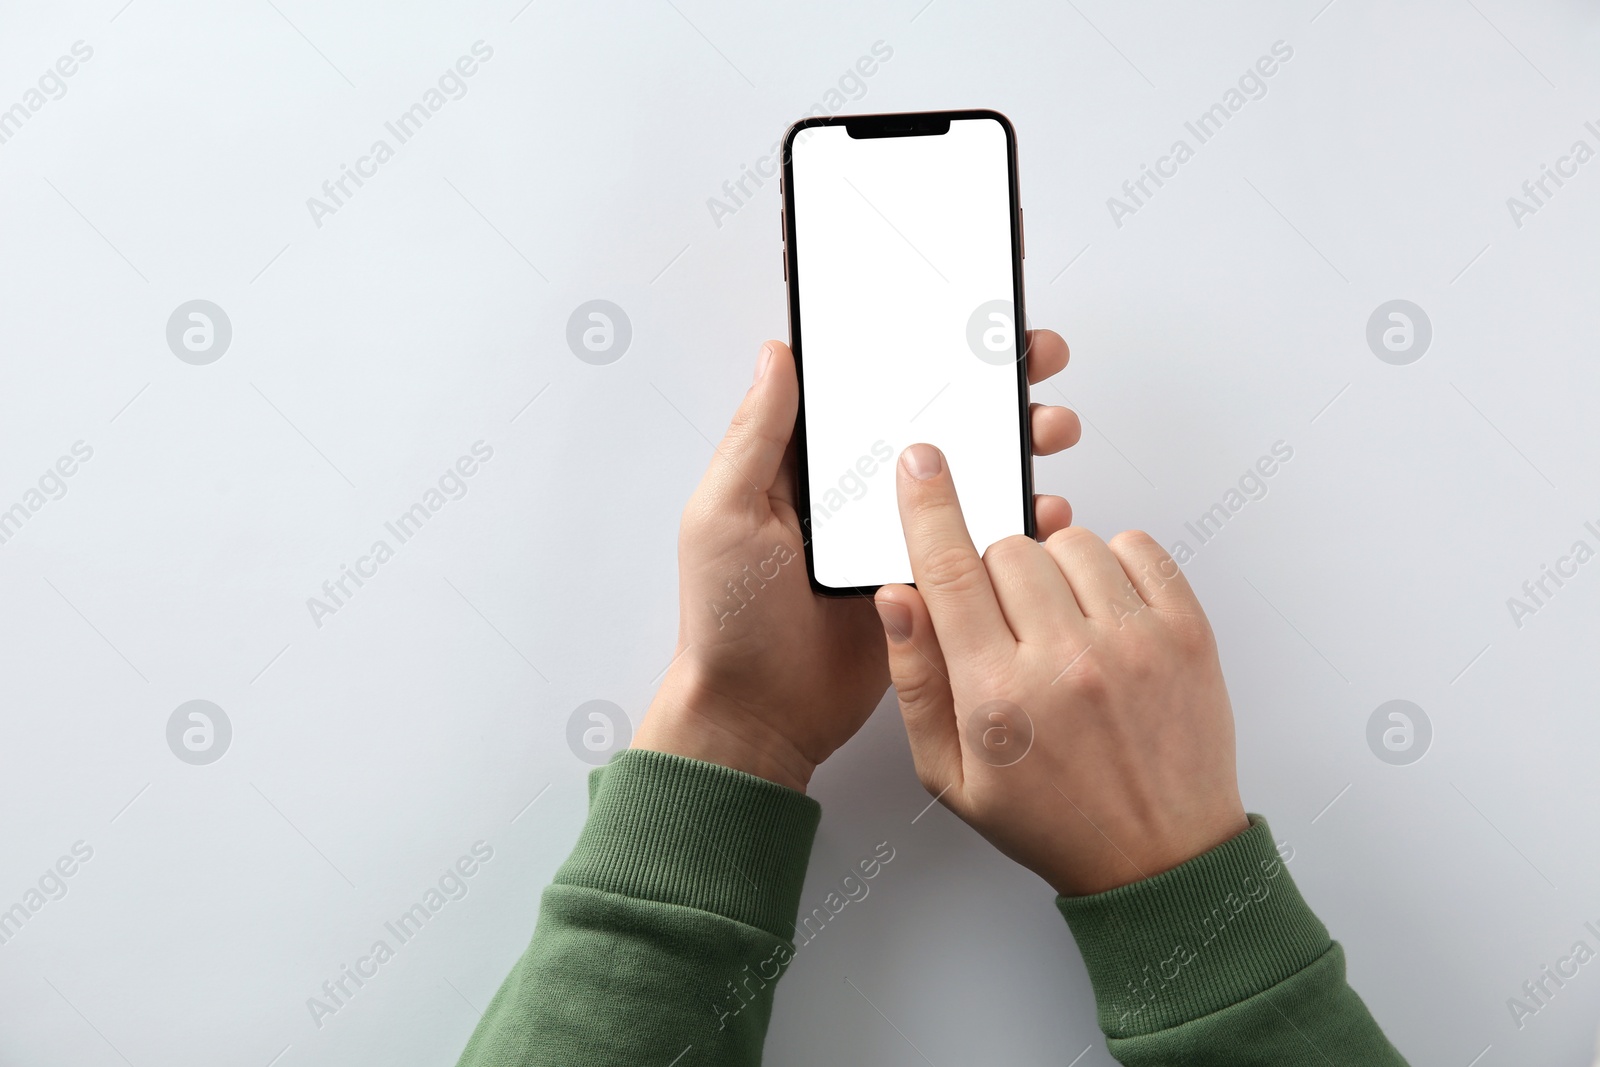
(923,461)
(762,361)
(896,620)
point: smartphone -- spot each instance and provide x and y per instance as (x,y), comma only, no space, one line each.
(903,250)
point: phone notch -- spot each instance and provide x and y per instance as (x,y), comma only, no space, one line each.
(898,126)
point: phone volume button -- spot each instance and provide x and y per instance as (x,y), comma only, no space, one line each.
(785,264)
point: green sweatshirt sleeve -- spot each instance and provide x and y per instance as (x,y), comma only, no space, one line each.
(662,937)
(1221,961)
(665,931)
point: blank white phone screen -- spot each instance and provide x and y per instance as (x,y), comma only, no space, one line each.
(904,269)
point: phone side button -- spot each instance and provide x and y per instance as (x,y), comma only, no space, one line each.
(785,264)
(1022,234)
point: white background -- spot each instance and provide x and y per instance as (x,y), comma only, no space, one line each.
(901,240)
(1227,314)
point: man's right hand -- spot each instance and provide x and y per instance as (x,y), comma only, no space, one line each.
(1065,698)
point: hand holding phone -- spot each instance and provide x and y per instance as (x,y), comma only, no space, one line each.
(767,677)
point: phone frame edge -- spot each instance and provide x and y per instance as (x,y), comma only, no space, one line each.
(1030,524)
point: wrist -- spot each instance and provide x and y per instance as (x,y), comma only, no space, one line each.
(689,718)
(1148,855)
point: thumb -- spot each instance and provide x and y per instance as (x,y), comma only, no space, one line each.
(922,683)
(747,461)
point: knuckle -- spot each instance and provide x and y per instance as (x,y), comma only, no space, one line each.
(1016,543)
(953,569)
(1136,540)
(1090,679)
(1071,538)
(742,425)
(750,432)
(912,688)
(1153,565)
(1009,549)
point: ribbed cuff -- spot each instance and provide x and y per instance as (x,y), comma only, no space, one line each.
(679,831)
(1217,930)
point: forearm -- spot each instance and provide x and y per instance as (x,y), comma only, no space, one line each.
(665,929)
(1220,961)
